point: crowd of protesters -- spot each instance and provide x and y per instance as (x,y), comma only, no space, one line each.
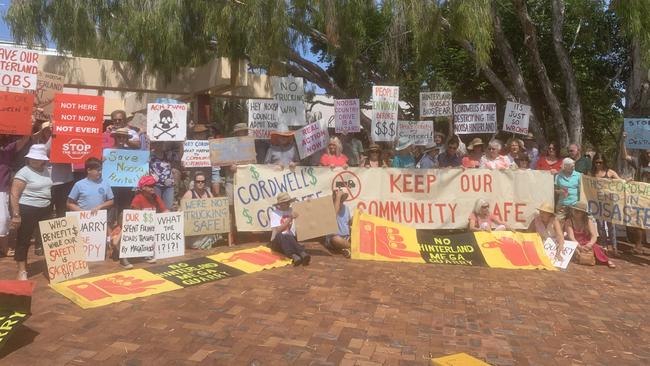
(32,189)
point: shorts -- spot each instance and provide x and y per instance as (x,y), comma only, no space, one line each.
(328,239)
(5,218)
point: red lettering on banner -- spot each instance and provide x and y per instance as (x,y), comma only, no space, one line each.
(411,183)
(476,183)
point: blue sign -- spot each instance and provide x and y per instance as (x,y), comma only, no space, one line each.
(124,168)
(638,133)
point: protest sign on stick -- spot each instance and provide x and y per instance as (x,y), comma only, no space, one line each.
(232,151)
(419,132)
(435,104)
(123,168)
(289,92)
(19,68)
(316,218)
(206,216)
(196,154)
(516,118)
(346,114)
(77,127)
(475,118)
(92,233)
(637,132)
(138,234)
(170,241)
(47,87)
(167,122)
(312,138)
(385,104)
(16,113)
(64,252)
(262,118)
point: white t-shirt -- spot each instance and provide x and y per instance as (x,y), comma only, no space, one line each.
(38,187)
(279,217)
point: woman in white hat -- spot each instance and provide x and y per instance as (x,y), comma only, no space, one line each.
(473,159)
(30,202)
(403,154)
(548,226)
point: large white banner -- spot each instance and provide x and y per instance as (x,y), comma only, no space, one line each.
(473,118)
(385,104)
(289,92)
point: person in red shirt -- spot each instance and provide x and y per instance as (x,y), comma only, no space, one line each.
(334,156)
(146,198)
(551,160)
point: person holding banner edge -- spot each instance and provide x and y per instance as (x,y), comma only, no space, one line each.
(641,167)
(606,229)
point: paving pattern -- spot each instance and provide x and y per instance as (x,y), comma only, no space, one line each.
(343,312)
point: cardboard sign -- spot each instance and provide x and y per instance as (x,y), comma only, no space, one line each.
(138,237)
(346,114)
(47,87)
(435,104)
(16,113)
(196,154)
(204,216)
(550,247)
(475,118)
(77,128)
(638,133)
(420,132)
(617,201)
(194,272)
(311,138)
(18,68)
(167,122)
(262,118)
(289,92)
(123,167)
(92,233)
(374,238)
(424,199)
(385,104)
(316,218)
(63,249)
(169,238)
(516,118)
(232,151)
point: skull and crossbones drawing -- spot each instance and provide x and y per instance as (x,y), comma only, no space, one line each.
(165,124)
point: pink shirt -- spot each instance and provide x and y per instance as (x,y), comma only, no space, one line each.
(329,160)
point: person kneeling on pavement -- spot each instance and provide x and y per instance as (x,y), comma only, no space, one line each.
(341,240)
(283,236)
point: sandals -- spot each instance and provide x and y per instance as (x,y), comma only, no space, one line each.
(611,264)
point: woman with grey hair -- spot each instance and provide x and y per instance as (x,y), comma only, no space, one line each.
(482,220)
(567,184)
(493,159)
(334,156)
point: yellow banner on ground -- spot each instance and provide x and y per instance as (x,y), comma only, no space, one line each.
(252,260)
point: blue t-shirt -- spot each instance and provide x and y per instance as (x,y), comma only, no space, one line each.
(401,161)
(571,185)
(343,220)
(89,194)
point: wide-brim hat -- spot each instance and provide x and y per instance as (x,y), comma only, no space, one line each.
(475,142)
(403,143)
(546,207)
(373,147)
(282,131)
(431,146)
(200,127)
(440,134)
(37,152)
(239,127)
(580,206)
(123,131)
(529,136)
(283,198)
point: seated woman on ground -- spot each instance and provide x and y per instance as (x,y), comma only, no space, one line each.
(548,226)
(482,220)
(580,227)
(283,236)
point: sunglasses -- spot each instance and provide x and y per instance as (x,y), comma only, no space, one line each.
(199,181)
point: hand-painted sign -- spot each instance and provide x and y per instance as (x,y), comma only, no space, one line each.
(138,234)
(312,138)
(419,132)
(196,154)
(123,168)
(169,238)
(385,104)
(92,233)
(289,92)
(516,118)
(18,68)
(64,253)
(475,118)
(435,104)
(617,201)
(638,133)
(167,122)
(16,113)
(47,87)
(346,114)
(262,118)
(232,151)
(562,260)
(194,272)
(204,216)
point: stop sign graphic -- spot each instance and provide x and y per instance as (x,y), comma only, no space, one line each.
(76,149)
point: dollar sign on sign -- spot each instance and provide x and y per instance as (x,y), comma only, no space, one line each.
(249,219)
(254,173)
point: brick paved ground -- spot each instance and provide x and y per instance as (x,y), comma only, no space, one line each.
(338,311)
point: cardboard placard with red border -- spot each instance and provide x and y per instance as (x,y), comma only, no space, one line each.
(77,127)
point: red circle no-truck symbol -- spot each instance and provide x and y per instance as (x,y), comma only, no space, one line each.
(348,182)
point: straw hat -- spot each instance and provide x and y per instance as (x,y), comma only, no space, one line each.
(580,206)
(403,143)
(123,131)
(199,127)
(284,197)
(282,131)
(529,136)
(239,127)
(431,146)
(37,152)
(546,207)
(475,142)
(373,147)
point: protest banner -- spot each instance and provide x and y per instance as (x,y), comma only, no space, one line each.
(550,247)
(47,86)
(419,132)
(374,238)
(15,306)
(167,122)
(617,201)
(638,133)
(289,92)
(262,118)
(316,217)
(204,216)
(232,151)
(194,272)
(516,118)
(425,199)
(123,167)
(10,321)
(311,138)
(385,104)
(18,68)
(92,233)
(138,234)
(475,118)
(435,104)
(77,127)
(16,113)
(64,253)
(169,238)
(252,260)
(458,359)
(347,117)
(196,154)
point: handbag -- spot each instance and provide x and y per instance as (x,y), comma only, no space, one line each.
(586,257)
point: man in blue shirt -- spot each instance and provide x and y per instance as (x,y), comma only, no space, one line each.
(450,158)
(91,193)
